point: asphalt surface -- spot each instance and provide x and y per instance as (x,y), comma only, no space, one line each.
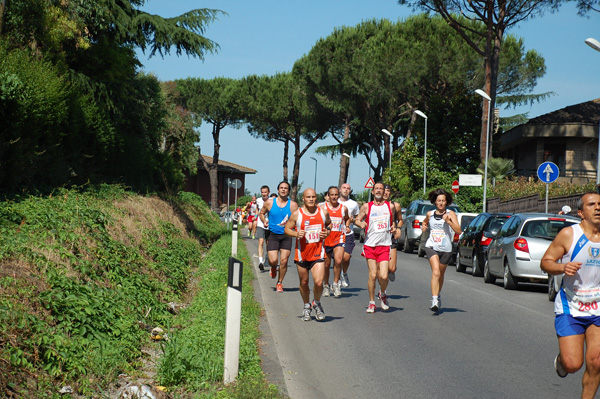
(485,342)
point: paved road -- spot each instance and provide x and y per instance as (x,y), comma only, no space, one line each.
(486,342)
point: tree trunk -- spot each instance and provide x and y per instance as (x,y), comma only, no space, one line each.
(3,7)
(344,162)
(213,169)
(296,170)
(286,147)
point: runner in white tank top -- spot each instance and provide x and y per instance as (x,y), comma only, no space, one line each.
(576,252)
(378,224)
(438,247)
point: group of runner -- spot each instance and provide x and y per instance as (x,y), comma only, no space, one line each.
(324,235)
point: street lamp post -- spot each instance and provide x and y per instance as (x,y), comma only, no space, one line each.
(487,140)
(387,133)
(422,115)
(348,169)
(595,44)
(315,159)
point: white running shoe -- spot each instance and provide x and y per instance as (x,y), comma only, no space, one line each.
(326,290)
(371,308)
(562,373)
(384,301)
(345,280)
(320,314)
(337,292)
(306,314)
(435,305)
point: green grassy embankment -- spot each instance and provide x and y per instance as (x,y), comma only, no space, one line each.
(86,274)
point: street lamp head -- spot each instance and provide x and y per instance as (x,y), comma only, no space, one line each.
(421,114)
(593,43)
(346,155)
(385,131)
(314,159)
(483,94)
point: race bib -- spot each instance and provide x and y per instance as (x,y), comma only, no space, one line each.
(336,224)
(381,223)
(312,233)
(437,236)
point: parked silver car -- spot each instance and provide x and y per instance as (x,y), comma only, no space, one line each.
(517,249)
(415,214)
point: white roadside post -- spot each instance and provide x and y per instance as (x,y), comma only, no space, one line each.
(233,320)
(234,237)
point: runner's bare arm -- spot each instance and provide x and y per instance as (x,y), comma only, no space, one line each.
(425,222)
(290,226)
(361,215)
(327,223)
(555,251)
(347,220)
(452,220)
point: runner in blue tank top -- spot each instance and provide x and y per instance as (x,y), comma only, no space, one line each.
(279,210)
(576,252)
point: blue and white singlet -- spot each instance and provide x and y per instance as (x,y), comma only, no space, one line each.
(579,295)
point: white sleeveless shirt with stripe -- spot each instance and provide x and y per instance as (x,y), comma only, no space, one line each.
(440,234)
(579,295)
(379,218)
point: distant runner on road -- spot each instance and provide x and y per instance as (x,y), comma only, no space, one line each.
(335,242)
(262,233)
(379,226)
(352,206)
(279,210)
(310,225)
(576,252)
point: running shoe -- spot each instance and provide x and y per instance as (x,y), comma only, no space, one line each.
(306,314)
(337,292)
(435,305)
(562,373)
(371,308)
(326,290)
(384,301)
(253,237)
(343,279)
(273,271)
(392,276)
(261,266)
(279,287)
(320,314)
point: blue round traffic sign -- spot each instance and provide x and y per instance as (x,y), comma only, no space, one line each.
(548,172)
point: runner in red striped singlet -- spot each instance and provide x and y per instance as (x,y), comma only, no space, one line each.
(335,242)
(310,225)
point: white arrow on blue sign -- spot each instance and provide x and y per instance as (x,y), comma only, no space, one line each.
(548,172)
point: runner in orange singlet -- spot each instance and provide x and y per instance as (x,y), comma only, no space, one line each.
(310,225)
(335,242)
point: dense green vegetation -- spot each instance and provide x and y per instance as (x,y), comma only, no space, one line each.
(84,276)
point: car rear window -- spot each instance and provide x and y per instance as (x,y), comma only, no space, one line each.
(547,228)
(465,220)
(495,223)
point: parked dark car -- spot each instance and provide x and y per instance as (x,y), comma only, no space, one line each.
(475,241)
(515,253)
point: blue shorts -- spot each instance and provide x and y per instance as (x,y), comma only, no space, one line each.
(329,250)
(567,325)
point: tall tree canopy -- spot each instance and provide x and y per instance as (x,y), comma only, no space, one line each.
(496,16)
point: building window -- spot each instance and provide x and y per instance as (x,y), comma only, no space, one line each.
(555,153)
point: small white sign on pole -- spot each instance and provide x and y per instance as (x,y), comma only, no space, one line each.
(470,180)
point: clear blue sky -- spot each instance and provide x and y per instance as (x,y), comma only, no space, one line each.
(267,36)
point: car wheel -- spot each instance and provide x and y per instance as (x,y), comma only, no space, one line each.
(551,289)
(487,276)
(407,246)
(510,283)
(421,251)
(460,267)
(477,272)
